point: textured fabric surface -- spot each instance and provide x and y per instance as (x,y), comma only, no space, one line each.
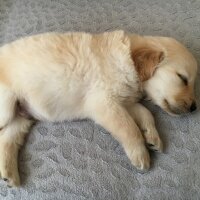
(79,159)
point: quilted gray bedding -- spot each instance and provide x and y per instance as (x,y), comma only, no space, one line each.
(79,159)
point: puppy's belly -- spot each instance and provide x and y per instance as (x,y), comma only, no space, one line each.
(55,113)
(55,107)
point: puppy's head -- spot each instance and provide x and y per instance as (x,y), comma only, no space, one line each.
(168,71)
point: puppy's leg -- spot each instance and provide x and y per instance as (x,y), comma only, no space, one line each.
(146,123)
(7,105)
(115,118)
(11,139)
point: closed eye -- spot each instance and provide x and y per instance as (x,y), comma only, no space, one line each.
(183,78)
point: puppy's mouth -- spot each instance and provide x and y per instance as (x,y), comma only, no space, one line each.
(172,110)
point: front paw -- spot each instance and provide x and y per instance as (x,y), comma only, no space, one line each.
(139,157)
(153,141)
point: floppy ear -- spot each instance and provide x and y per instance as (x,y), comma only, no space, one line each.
(146,60)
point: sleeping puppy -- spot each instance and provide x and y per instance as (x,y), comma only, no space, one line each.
(58,77)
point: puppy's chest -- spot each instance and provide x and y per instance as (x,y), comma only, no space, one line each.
(128,91)
(122,85)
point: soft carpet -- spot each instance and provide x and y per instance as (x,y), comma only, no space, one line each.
(79,159)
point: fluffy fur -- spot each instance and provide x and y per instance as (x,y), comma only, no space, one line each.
(58,77)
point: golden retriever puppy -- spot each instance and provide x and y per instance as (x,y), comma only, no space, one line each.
(58,77)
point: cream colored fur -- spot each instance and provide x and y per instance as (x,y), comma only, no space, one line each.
(76,75)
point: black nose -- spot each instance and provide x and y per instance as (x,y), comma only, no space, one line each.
(193,107)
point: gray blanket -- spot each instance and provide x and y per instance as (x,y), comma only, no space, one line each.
(79,159)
